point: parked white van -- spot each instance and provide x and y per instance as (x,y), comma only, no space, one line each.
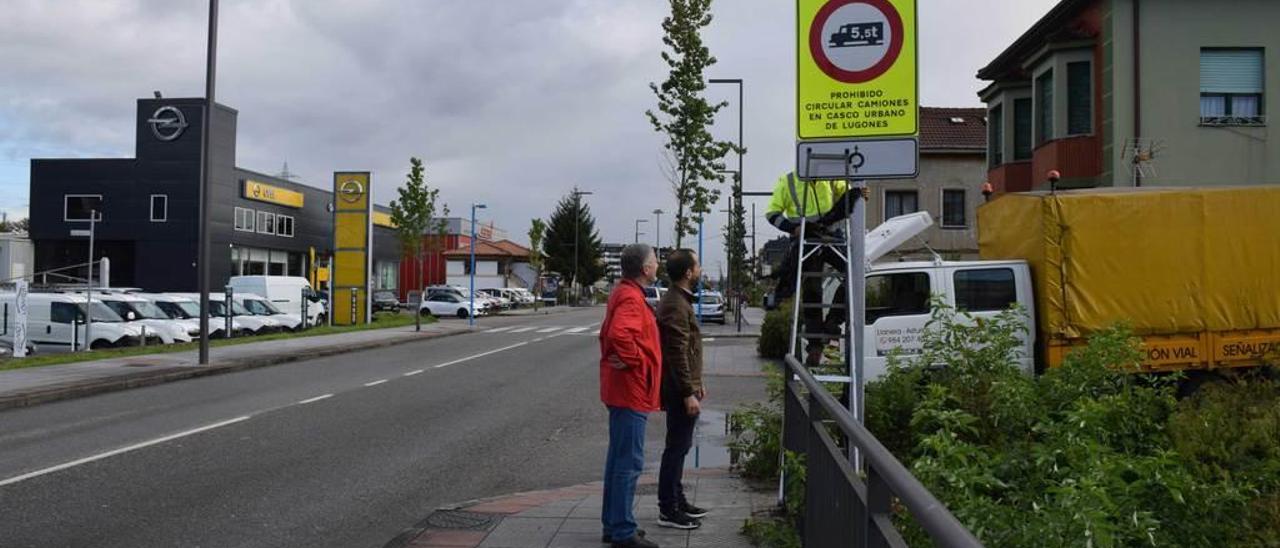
(218,309)
(261,307)
(140,312)
(53,318)
(186,312)
(285,293)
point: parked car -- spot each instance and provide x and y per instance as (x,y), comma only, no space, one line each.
(504,302)
(253,324)
(526,297)
(186,312)
(260,306)
(140,312)
(285,293)
(712,307)
(484,304)
(54,319)
(385,301)
(444,304)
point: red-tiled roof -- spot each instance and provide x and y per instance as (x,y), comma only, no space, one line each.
(953,129)
(485,248)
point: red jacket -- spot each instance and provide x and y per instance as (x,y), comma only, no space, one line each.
(631,332)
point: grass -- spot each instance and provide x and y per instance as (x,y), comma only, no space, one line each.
(381,320)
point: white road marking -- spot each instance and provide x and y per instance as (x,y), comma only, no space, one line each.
(708,339)
(315,399)
(415,372)
(539,339)
(577,330)
(480,355)
(121,450)
(523,329)
(499,329)
(375,383)
(550,329)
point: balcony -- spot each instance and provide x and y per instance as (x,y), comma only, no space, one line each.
(1010,177)
(1078,159)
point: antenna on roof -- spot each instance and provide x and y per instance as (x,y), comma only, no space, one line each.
(1140,155)
(284,173)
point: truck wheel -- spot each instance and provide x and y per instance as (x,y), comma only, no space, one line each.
(462,313)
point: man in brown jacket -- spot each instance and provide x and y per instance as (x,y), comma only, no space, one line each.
(682,388)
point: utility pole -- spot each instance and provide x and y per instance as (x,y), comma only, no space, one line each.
(206,145)
(638,221)
(471,315)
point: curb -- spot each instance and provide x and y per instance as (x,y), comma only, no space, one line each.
(141,379)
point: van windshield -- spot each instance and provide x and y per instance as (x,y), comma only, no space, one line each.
(100,312)
(260,307)
(141,310)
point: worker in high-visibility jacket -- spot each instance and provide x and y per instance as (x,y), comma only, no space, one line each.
(823,204)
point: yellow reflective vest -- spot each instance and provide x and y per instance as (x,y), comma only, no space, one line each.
(793,198)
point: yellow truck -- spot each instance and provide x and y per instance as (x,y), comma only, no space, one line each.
(1194,272)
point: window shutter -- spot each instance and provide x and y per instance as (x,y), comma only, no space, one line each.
(1230,71)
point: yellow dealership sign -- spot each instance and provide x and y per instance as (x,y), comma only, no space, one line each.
(383,220)
(856,71)
(262,192)
(352,246)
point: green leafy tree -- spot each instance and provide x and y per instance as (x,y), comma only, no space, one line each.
(414,214)
(571,217)
(537,233)
(695,158)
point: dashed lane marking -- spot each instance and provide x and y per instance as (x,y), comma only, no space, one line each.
(315,399)
(523,329)
(375,383)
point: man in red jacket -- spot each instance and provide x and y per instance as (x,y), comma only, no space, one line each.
(630,382)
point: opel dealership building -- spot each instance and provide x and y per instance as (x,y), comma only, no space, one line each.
(147,210)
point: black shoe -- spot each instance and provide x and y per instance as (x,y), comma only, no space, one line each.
(606,538)
(636,541)
(692,511)
(677,520)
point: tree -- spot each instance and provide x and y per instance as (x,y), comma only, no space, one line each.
(571,217)
(537,233)
(414,214)
(695,157)
(735,247)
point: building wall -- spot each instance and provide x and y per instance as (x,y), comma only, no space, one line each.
(1172,33)
(486,274)
(938,172)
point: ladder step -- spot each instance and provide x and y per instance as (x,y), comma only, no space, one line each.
(839,306)
(825,241)
(831,274)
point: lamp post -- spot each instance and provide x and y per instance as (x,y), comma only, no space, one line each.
(577,217)
(657,231)
(638,221)
(471,316)
(738,175)
(202,246)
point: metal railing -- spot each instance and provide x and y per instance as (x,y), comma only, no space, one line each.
(844,506)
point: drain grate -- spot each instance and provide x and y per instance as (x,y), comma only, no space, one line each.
(458,519)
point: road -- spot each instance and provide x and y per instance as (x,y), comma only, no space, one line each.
(344,451)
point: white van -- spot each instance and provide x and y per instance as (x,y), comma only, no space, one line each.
(261,307)
(140,312)
(53,318)
(285,292)
(186,312)
(218,310)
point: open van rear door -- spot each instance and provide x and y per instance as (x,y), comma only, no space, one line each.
(894,232)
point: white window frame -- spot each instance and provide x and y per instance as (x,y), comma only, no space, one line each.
(152,206)
(263,225)
(65,209)
(279,220)
(942,209)
(246,220)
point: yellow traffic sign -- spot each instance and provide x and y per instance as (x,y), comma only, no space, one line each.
(856,71)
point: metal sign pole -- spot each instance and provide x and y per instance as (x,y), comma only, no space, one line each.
(229,293)
(20,321)
(88,294)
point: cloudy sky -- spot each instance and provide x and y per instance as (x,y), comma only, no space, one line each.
(510,102)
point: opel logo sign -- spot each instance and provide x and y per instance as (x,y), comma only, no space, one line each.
(351,191)
(168,123)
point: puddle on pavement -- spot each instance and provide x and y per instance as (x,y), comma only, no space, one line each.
(710,442)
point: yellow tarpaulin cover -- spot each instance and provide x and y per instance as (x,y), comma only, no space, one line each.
(1166,261)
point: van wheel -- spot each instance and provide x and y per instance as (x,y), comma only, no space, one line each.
(462,314)
(99,345)
(320,320)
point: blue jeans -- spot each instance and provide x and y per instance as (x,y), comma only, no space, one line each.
(622,469)
(679,441)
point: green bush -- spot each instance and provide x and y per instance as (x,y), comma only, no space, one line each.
(775,333)
(1089,453)
(757,431)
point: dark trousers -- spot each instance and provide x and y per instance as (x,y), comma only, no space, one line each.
(679,440)
(811,292)
(622,468)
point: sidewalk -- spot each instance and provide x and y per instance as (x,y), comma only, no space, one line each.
(570,517)
(752,319)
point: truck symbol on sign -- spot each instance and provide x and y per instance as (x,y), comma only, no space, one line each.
(858,34)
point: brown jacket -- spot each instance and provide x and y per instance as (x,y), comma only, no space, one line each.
(681,346)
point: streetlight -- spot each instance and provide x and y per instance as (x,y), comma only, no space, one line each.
(202,251)
(730,245)
(657,231)
(638,221)
(737,187)
(471,317)
(577,217)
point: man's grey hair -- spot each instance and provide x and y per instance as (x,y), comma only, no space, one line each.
(633,258)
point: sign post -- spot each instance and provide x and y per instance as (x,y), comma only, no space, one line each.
(20,320)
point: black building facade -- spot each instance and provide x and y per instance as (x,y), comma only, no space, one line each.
(148,209)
